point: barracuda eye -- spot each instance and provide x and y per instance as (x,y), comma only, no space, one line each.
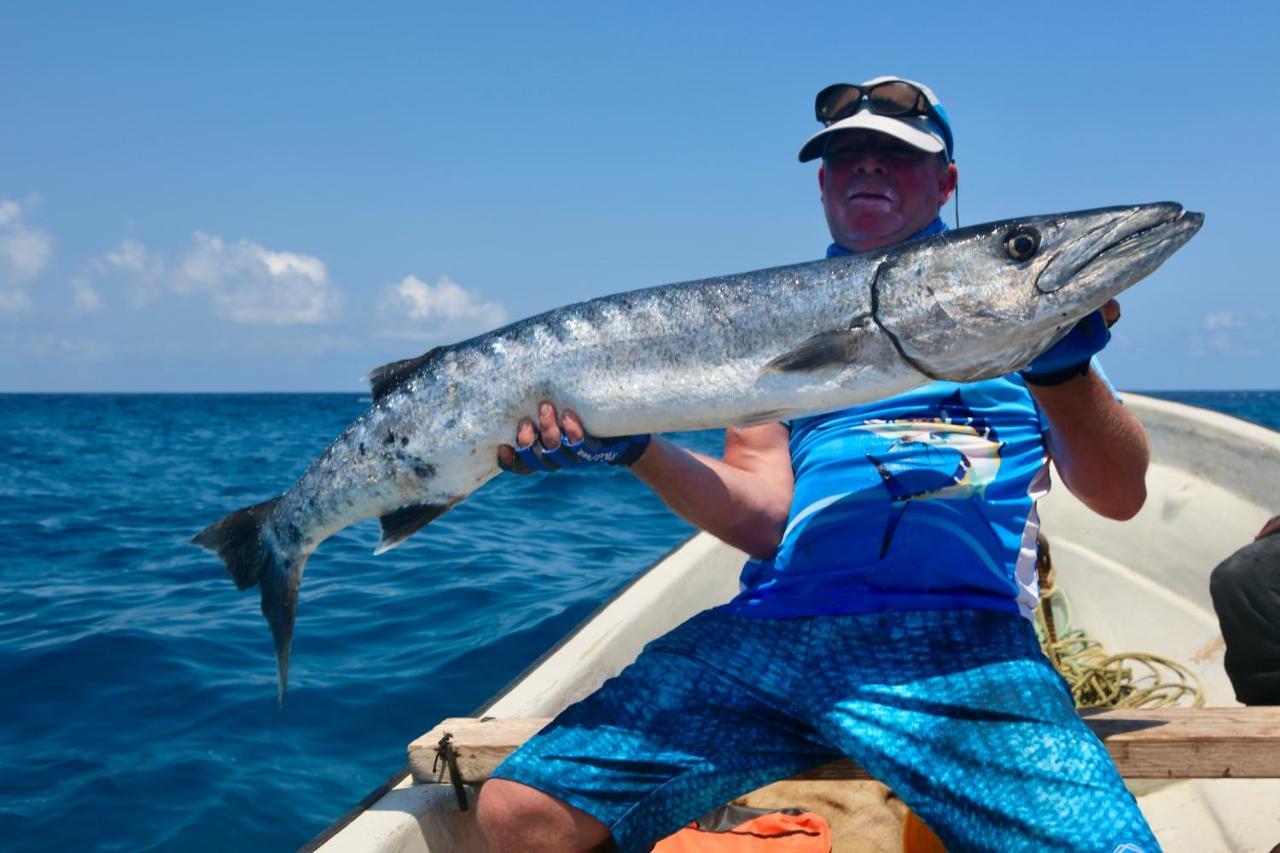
(1022,243)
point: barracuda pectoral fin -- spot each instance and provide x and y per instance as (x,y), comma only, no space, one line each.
(772,416)
(836,348)
(387,378)
(402,523)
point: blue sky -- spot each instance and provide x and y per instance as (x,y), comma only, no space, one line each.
(279,197)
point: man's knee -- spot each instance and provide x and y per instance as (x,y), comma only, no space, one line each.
(516,817)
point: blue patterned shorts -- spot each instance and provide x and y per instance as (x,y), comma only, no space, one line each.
(957,711)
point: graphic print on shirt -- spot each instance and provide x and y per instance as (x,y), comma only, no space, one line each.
(959,458)
(922,501)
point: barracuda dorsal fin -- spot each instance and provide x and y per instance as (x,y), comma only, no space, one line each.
(385,379)
(827,349)
(402,523)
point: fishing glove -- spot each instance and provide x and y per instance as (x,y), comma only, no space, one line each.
(619,450)
(1069,357)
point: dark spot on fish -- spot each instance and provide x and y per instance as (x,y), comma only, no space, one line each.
(404,441)
(362,450)
(424,471)
(390,439)
(450,424)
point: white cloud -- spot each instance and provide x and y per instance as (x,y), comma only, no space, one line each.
(1220,341)
(137,272)
(132,257)
(141,270)
(24,253)
(1224,320)
(1217,338)
(248,283)
(416,309)
(244,281)
(1226,332)
(85,297)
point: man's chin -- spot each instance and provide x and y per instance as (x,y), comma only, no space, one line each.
(872,234)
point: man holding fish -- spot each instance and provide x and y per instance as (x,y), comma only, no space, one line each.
(885,610)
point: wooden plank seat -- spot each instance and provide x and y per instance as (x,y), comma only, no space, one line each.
(1166,743)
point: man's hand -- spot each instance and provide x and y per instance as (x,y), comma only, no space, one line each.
(1070,357)
(561,441)
(1271,528)
(742,499)
(1097,444)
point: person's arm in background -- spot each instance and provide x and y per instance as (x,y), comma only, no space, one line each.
(742,499)
(1271,528)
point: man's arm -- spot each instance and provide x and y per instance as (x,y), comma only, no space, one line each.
(743,499)
(1097,445)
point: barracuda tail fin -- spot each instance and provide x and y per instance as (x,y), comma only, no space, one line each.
(256,560)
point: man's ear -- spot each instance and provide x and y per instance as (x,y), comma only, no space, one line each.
(947,182)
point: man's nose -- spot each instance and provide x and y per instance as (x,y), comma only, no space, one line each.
(869,163)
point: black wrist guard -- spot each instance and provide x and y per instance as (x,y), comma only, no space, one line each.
(1057,377)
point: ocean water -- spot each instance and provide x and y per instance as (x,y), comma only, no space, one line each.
(137,686)
(1260,407)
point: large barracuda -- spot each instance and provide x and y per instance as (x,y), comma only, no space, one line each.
(763,346)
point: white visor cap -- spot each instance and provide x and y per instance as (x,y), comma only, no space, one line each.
(916,131)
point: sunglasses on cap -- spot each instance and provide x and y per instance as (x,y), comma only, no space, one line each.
(893,98)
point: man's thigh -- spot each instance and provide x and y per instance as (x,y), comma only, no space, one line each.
(671,737)
(986,744)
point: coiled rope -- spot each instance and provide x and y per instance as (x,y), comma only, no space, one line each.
(1098,679)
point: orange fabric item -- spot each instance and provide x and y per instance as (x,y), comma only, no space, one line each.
(917,837)
(777,832)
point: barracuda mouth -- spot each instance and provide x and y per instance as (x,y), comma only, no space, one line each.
(1133,244)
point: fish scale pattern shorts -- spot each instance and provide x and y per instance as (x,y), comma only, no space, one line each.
(957,711)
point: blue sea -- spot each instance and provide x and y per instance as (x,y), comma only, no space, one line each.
(137,686)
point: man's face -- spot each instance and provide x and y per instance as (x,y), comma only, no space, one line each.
(877,190)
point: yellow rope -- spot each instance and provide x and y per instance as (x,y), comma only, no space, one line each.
(1098,679)
(1128,680)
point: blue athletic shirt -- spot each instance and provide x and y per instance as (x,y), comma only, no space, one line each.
(925,501)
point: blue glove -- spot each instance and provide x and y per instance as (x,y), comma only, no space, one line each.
(620,450)
(1069,357)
